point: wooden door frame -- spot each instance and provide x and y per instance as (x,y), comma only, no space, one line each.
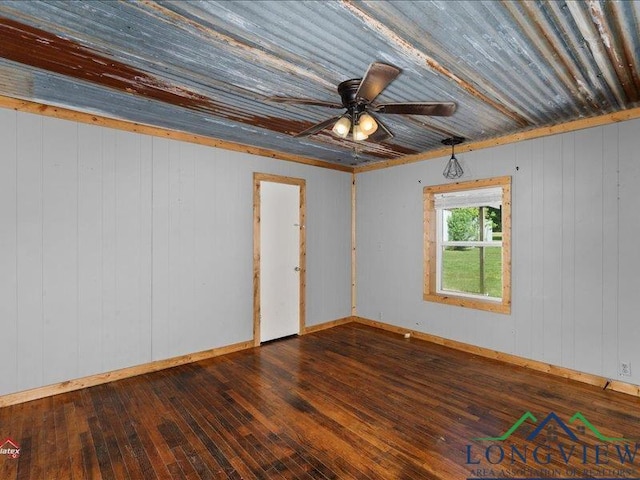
(266,177)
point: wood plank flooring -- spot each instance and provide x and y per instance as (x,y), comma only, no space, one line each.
(351,402)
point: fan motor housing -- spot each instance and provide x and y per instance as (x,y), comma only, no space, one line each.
(348,90)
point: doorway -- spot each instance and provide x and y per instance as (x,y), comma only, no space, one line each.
(278,257)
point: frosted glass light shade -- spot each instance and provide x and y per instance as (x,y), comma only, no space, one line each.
(367,124)
(358,134)
(342,127)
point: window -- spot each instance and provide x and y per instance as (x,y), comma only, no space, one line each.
(467,236)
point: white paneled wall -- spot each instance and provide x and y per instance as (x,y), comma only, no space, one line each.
(117,249)
(576,281)
(9,253)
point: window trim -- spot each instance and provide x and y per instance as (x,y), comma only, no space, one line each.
(430,247)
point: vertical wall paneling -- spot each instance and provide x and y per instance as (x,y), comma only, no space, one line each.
(175,336)
(198,239)
(629,260)
(161,334)
(186,220)
(522,248)
(178,285)
(60,247)
(354,238)
(212,224)
(117,249)
(567,251)
(538,252)
(218,204)
(8,249)
(90,236)
(370,239)
(29,252)
(588,249)
(328,240)
(610,287)
(127,238)
(574,259)
(110,259)
(133,244)
(551,241)
(145,279)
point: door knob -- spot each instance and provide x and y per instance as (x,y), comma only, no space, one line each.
(297,269)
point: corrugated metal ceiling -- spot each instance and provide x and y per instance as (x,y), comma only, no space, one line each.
(206,67)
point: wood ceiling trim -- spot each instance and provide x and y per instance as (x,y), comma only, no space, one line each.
(581,124)
(93,119)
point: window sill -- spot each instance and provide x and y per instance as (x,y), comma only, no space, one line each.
(496,307)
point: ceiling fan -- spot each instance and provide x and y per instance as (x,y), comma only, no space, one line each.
(361,119)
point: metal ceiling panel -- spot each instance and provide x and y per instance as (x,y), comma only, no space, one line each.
(207,67)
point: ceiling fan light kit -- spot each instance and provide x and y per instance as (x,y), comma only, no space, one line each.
(358,133)
(342,126)
(360,119)
(453,170)
(364,126)
(367,123)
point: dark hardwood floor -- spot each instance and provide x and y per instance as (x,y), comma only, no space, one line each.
(349,402)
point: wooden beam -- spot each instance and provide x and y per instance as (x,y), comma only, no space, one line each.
(128,126)
(256,259)
(573,126)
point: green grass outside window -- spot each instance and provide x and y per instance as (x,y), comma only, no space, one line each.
(461,271)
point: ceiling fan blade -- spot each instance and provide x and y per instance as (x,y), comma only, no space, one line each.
(438,109)
(317,127)
(382,133)
(304,101)
(378,76)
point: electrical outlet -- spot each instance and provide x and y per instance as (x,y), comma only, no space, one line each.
(625,369)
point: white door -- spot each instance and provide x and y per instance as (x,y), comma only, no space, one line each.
(279,260)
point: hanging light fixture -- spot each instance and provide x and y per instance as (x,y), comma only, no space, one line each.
(453,169)
(342,126)
(367,123)
(358,133)
(360,126)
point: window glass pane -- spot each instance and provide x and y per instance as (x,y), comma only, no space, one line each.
(474,270)
(461,225)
